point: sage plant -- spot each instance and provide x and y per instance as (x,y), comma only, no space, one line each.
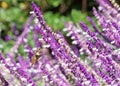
(54,61)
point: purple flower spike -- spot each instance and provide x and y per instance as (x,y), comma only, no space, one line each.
(90,58)
(4,82)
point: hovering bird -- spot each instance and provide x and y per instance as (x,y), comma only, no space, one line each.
(36,56)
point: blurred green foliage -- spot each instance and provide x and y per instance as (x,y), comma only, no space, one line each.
(54,3)
(55,11)
(13,15)
(56,20)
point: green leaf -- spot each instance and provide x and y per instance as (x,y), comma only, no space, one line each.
(77,16)
(54,3)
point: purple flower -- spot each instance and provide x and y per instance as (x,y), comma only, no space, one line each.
(57,62)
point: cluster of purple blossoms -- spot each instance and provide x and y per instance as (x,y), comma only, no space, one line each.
(57,62)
